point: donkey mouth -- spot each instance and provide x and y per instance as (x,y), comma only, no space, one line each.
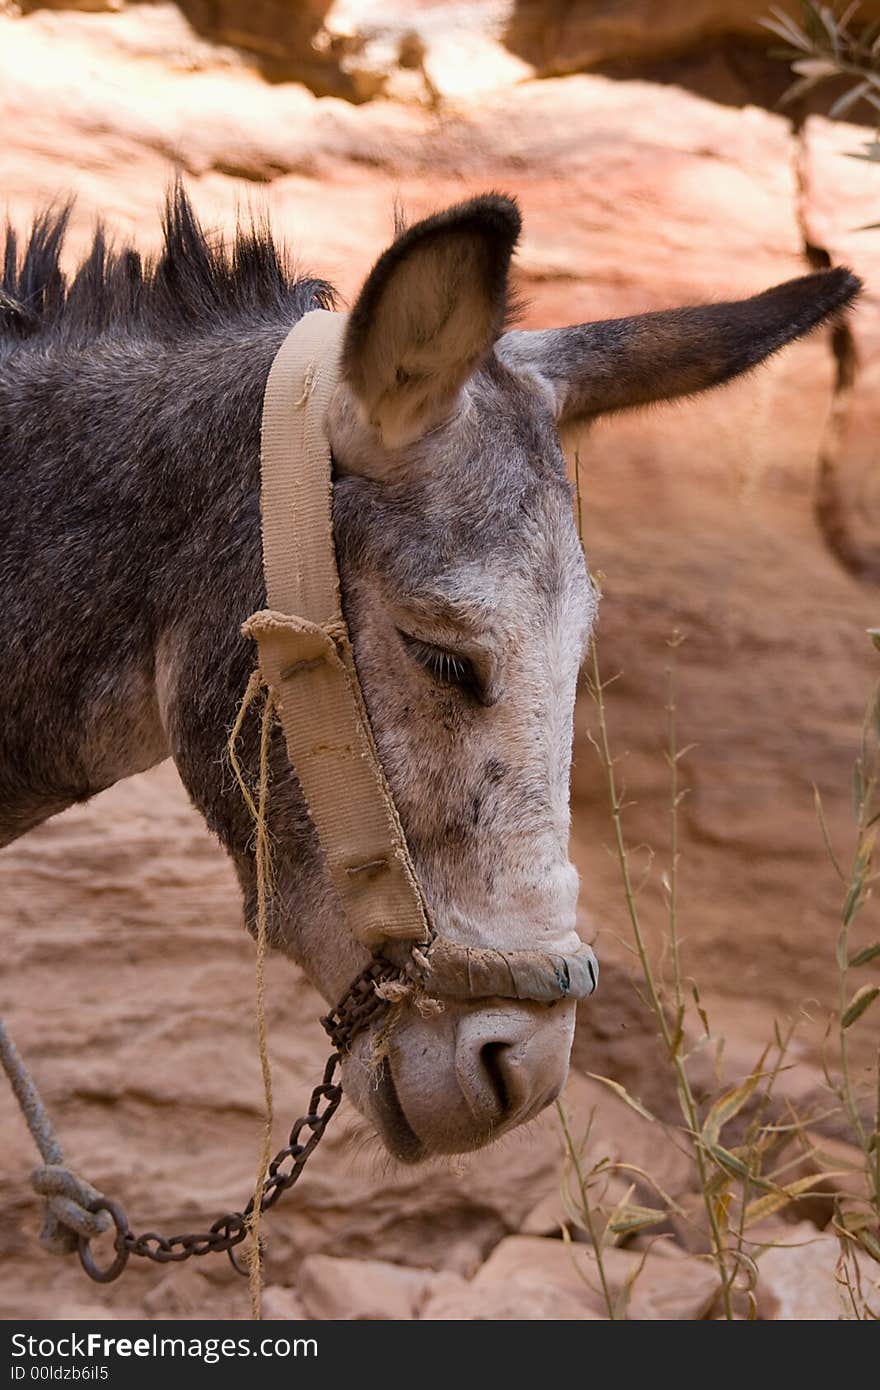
(396,1131)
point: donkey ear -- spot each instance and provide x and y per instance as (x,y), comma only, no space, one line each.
(429,312)
(597,367)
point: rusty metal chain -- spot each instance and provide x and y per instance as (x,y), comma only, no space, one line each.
(360,1004)
(358,1007)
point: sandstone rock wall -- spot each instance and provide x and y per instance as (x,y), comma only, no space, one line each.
(746,520)
(435,50)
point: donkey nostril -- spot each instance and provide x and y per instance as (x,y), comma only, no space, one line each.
(509,1061)
(492,1058)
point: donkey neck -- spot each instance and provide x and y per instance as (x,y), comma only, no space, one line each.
(129,520)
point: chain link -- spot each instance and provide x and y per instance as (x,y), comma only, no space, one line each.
(358,1007)
(360,1004)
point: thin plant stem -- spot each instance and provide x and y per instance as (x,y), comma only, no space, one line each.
(875,1141)
(671,1043)
(586,1208)
(867,772)
(758,1130)
(673,755)
(670,1040)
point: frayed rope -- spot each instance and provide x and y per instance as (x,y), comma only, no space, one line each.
(67,1197)
(263,856)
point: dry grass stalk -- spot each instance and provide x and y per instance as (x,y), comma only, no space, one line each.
(741,1183)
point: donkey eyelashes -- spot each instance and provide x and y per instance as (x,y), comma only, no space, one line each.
(446,667)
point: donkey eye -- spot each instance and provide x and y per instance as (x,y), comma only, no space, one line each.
(449,668)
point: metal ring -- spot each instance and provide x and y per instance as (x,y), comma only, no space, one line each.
(113,1271)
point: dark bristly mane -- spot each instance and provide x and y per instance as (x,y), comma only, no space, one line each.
(196,283)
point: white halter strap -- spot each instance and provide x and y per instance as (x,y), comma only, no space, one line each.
(305,650)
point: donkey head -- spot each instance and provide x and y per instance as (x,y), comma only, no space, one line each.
(470,608)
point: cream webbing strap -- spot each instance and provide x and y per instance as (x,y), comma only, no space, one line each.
(305,652)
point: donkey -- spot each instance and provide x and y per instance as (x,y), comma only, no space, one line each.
(130,554)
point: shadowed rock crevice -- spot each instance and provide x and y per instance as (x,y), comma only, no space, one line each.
(835,507)
(832,507)
(716,50)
